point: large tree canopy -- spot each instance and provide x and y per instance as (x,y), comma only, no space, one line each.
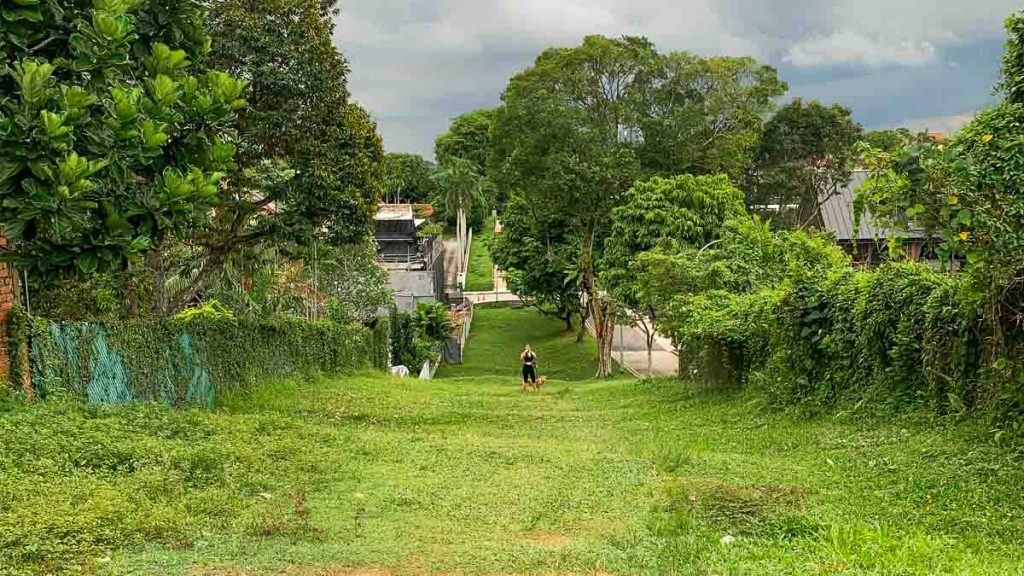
(310,162)
(469,138)
(113,134)
(579,127)
(300,114)
(703,115)
(805,156)
(408,178)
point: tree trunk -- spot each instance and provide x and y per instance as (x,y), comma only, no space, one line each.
(650,359)
(131,289)
(568,321)
(155,262)
(604,331)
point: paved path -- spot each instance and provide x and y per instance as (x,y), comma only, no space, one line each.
(451,273)
(630,348)
(629,344)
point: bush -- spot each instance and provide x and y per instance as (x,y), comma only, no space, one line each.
(904,336)
(184,362)
(417,338)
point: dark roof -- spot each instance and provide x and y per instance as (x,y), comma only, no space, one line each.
(392,230)
(837,216)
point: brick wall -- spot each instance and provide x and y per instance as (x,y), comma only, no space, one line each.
(8,300)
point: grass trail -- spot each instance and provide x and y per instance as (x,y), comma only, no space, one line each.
(367,475)
(499,335)
(480,272)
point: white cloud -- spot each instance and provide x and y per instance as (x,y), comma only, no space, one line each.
(849,47)
(418,63)
(950,124)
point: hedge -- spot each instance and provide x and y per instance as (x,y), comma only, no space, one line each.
(185,363)
(904,335)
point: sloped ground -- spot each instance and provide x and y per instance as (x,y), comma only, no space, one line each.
(366,476)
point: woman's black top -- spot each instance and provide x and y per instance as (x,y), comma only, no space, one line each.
(529,359)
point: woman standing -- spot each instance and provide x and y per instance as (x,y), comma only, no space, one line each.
(529,359)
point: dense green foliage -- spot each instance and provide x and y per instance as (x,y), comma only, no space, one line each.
(300,114)
(366,473)
(189,359)
(114,135)
(577,129)
(419,336)
(408,178)
(468,138)
(805,155)
(538,260)
(682,213)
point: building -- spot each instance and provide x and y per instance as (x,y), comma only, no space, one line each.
(415,262)
(868,244)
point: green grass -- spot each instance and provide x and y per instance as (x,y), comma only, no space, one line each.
(498,336)
(468,475)
(480,273)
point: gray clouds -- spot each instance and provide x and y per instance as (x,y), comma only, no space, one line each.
(418,63)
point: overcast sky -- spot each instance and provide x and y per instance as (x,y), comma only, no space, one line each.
(917,63)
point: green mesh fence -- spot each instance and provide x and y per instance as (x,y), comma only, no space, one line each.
(187,364)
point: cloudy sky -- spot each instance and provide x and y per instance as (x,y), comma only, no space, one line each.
(915,63)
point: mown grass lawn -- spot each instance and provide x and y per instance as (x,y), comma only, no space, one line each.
(480,272)
(364,474)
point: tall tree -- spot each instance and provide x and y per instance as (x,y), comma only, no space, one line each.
(408,178)
(113,134)
(562,141)
(459,188)
(689,211)
(583,123)
(806,155)
(704,115)
(539,263)
(310,162)
(468,137)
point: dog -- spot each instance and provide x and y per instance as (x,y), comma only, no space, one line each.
(541,380)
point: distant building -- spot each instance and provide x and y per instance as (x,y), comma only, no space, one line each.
(414,263)
(868,244)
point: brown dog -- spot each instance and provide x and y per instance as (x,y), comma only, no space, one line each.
(541,380)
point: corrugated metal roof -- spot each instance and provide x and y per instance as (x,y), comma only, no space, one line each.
(837,216)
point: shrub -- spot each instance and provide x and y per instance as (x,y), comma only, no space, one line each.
(416,338)
(904,336)
(181,362)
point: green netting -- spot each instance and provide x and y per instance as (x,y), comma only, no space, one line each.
(142,360)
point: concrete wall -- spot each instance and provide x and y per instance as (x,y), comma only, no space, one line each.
(414,286)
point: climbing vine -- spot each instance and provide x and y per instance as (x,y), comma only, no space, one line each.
(181,362)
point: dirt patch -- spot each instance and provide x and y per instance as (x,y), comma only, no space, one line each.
(548,540)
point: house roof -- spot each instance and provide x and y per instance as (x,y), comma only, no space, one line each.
(837,216)
(395,212)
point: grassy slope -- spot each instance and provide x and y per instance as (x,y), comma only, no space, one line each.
(469,475)
(480,274)
(498,336)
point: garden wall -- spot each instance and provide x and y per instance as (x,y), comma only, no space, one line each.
(185,363)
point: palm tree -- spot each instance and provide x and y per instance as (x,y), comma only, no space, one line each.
(459,187)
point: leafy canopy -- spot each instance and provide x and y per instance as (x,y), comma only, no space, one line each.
(300,115)
(113,136)
(805,156)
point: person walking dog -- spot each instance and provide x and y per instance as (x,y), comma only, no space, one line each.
(529,358)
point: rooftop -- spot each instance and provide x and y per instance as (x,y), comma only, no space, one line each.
(837,214)
(395,212)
